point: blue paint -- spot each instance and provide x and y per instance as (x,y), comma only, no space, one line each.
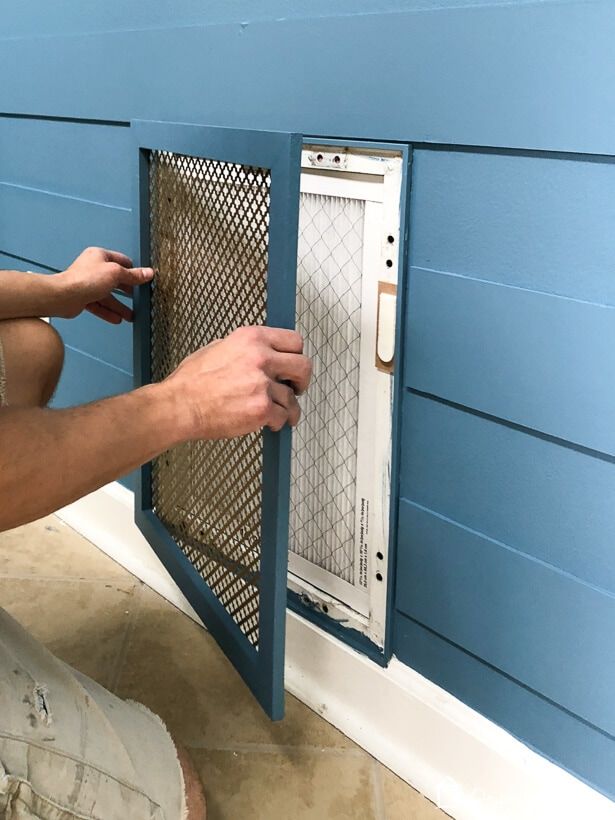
(538,360)
(54,228)
(86,378)
(11,262)
(69,18)
(506,531)
(518,220)
(101,174)
(112,344)
(516,445)
(261,668)
(528,75)
(542,725)
(548,501)
(521,616)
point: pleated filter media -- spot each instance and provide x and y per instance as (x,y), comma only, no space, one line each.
(329,281)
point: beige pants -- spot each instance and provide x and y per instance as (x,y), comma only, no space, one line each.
(70,749)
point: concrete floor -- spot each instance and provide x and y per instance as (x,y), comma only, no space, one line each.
(96,616)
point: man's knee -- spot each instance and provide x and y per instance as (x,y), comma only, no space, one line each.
(34,355)
(52,358)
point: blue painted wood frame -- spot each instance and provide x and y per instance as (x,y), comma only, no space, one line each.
(380,654)
(262,669)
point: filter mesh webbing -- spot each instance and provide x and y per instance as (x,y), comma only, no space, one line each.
(325,443)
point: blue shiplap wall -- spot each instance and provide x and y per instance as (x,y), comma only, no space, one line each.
(506,568)
(63,186)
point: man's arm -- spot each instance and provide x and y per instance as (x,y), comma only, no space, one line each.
(85,285)
(49,458)
(27,294)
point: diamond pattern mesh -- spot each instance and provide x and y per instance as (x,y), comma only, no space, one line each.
(209,228)
(325,443)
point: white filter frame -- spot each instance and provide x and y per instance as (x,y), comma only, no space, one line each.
(373,176)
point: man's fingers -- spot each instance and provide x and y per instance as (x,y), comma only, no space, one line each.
(293,368)
(103,313)
(116,256)
(278,417)
(134,276)
(286,360)
(127,277)
(286,341)
(111,310)
(118,307)
(284,397)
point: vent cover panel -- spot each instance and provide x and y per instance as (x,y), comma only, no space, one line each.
(329,280)
(209,231)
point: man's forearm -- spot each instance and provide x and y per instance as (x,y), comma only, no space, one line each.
(49,458)
(28,294)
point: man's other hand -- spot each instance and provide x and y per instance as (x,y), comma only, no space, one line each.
(88,284)
(235,386)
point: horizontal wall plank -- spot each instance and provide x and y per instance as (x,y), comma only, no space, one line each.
(109,343)
(92,162)
(18,21)
(541,361)
(541,627)
(552,502)
(532,80)
(586,752)
(532,221)
(53,230)
(15,263)
(85,379)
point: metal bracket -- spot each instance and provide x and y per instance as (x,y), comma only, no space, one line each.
(333,160)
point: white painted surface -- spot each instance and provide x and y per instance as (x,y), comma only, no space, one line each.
(348,239)
(469,766)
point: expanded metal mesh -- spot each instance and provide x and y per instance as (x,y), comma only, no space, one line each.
(325,443)
(209,229)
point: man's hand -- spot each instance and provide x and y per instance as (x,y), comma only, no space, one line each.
(244,382)
(88,284)
(227,389)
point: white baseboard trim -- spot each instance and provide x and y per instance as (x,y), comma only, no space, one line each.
(460,760)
